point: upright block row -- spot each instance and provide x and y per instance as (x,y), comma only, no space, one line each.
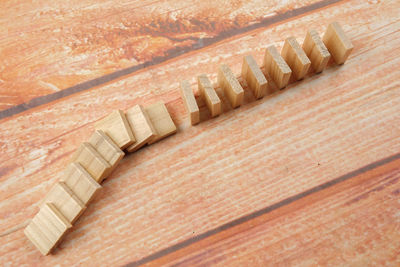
(91,163)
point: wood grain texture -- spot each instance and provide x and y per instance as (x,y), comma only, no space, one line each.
(209,95)
(254,77)
(276,67)
(190,102)
(319,129)
(337,43)
(161,121)
(316,51)
(296,58)
(232,88)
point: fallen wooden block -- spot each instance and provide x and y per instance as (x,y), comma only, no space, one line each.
(64,199)
(316,51)
(189,101)
(161,120)
(295,57)
(232,88)
(107,149)
(47,228)
(117,128)
(254,77)
(141,126)
(276,67)
(339,46)
(92,161)
(80,182)
(210,96)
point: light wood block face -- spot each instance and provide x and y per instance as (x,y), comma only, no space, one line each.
(92,161)
(231,86)
(254,77)
(316,51)
(210,96)
(47,228)
(64,199)
(80,182)
(190,103)
(116,126)
(295,57)
(107,149)
(276,67)
(161,120)
(337,43)
(141,126)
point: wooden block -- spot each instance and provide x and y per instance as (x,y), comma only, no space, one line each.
(316,51)
(276,67)
(64,199)
(107,149)
(254,77)
(337,43)
(92,161)
(231,86)
(161,120)
(141,126)
(80,182)
(210,96)
(116,126)
(189,101)
(47,228)
(295,57)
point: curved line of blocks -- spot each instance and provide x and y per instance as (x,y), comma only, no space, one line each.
(95,159)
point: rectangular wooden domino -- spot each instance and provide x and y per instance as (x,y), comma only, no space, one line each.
(141,126)
(231,86)
(337,43)
(80,182)
(116,126)
(316,51)
(189,102)
(64,199)
(92,161)
(295,57)
(276,67)
(107,149)
(254,77)
(210,96)
(47,228)
(161,120)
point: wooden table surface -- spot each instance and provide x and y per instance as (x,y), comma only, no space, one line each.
(309,175)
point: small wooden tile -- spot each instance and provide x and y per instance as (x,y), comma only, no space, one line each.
(190,103)
(337,43)
(116,126)
(231,86)
(161,120)
(276,67)
(141,126)
(295,57)
(107,149)
(254,77)
(316,51)
(64,199)
(210,96)
(47,228)
(92,161)
(80,182)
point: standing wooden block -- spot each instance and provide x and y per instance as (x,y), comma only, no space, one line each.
(295,57)
(254,77)
(107,149)
(276,67)
(161,120)
(189,102)
(47,228)
(232,88)
(316,51)
(117,127)
(141,126)
(80,182)
(210,96)
(64,199)
(337,43)
(92,161)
